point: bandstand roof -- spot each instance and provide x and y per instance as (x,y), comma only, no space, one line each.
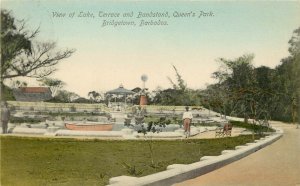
(120,91)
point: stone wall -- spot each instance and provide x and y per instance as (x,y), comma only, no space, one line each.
(57,107)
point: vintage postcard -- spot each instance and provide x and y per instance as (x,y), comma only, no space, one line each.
(136,92)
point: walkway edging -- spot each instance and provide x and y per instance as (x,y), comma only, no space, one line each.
(177,173)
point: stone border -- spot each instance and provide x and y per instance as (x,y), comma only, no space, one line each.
(125,133)
(179,172)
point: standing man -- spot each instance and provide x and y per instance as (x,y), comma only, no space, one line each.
(5,114)
(187,119)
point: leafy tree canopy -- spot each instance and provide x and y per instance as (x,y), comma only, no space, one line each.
(54,84)
(22,55)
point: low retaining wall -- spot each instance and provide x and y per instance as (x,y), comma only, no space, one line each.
(66,107)
(124,133)
(24,130)
(178,173)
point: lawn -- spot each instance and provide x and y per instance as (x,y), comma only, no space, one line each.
(66,161)
(252,127)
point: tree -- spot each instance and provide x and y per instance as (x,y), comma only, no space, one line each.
(178,95)
(282,84)
(66,96)
(22,55)
(81,100)
(243,90)
(181,85)
(95,96)
(135,98)
(260,92)
(294,50)
(18,83)
(53,84)
(175,95)
(287,79)
(215,97)
(237,80)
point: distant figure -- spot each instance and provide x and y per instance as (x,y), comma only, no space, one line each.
(187,119)
(139,116)
(139,112)
(5,114)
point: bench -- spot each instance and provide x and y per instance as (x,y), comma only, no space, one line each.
(224,131)
(264,123)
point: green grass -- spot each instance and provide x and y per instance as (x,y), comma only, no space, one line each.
(58,161)
(251,127)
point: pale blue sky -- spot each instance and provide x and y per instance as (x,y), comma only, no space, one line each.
(108,56)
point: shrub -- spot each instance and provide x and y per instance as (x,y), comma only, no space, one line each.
(252,127)
(25,120)
(72,109)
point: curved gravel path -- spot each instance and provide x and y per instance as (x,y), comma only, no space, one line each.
(276,164)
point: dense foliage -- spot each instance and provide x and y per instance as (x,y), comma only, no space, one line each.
(244,90)
(258,93)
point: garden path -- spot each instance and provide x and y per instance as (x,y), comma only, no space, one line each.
(276,164)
